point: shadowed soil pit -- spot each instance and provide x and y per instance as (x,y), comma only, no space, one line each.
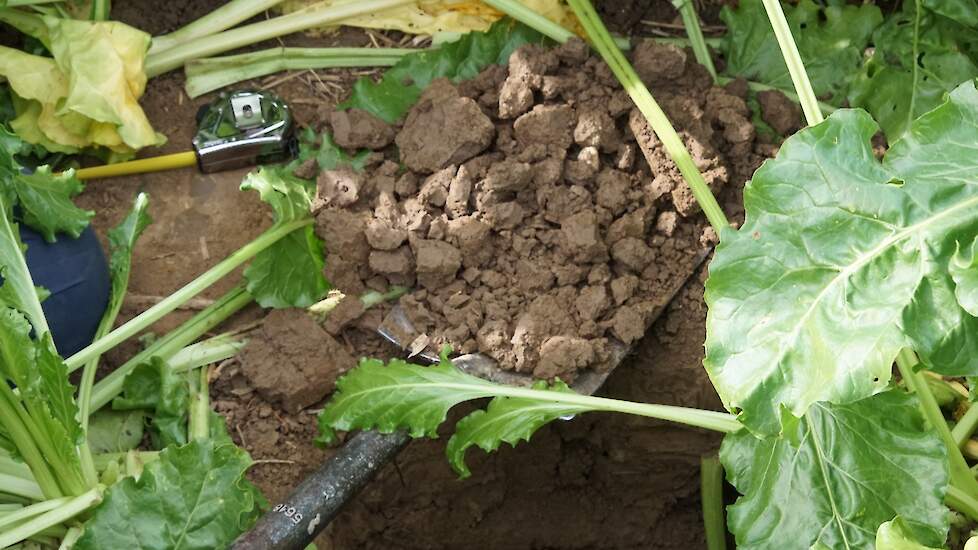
(597,481)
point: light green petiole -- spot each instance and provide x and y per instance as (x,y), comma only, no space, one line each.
(532,19)
(789,50)
(695,33)
(960,473)
(212,350)
(66,510)
(224,17)
(109,387)
(966,426)
(176,56)
(710,420)
(711,493)
(206,75)
(657,119)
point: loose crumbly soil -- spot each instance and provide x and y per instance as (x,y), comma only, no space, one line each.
(536,216)
(598,481)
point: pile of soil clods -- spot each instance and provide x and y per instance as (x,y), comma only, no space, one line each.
(534,213)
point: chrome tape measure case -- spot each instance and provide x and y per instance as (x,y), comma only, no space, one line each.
(244,128)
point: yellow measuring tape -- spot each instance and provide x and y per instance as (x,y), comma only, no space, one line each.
(155,164)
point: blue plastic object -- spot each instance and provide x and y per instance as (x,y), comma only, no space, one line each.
(76,274)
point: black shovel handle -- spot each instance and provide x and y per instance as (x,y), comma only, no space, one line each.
(293,523)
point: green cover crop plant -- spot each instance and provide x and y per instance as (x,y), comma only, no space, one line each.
(845,265)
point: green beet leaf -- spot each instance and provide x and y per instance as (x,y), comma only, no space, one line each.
(402,84)
(193,497)
(154,387)
(506,419)
(48,388)
(44,392)
(398,395)
(836,475)
(290,272)
(44,198)
(122,242)
(40,375)
(290,197)
(842,261)
(893,87)
(830,40)
(896,535)
(327,153)
(115,431)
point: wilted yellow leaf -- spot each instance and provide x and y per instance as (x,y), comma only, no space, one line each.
(88,94)
(433,16)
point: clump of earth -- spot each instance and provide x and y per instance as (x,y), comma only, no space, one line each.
(532,211)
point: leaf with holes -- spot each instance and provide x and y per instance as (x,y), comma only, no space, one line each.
(830,40)
(842,261)
(893,87)
(836,475)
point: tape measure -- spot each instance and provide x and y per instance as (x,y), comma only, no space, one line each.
(237,129)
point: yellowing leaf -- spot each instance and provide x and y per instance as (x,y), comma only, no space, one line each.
(32,76)
(88,94)
(429,17)
(104,64)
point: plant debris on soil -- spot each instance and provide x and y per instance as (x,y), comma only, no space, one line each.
(536,216)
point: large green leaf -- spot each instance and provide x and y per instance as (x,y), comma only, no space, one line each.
(43,198)
(842,261)
(836,475)
(193,497)
(402,84)
(895,88)
(506,419)
(290,272)
(830,39)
